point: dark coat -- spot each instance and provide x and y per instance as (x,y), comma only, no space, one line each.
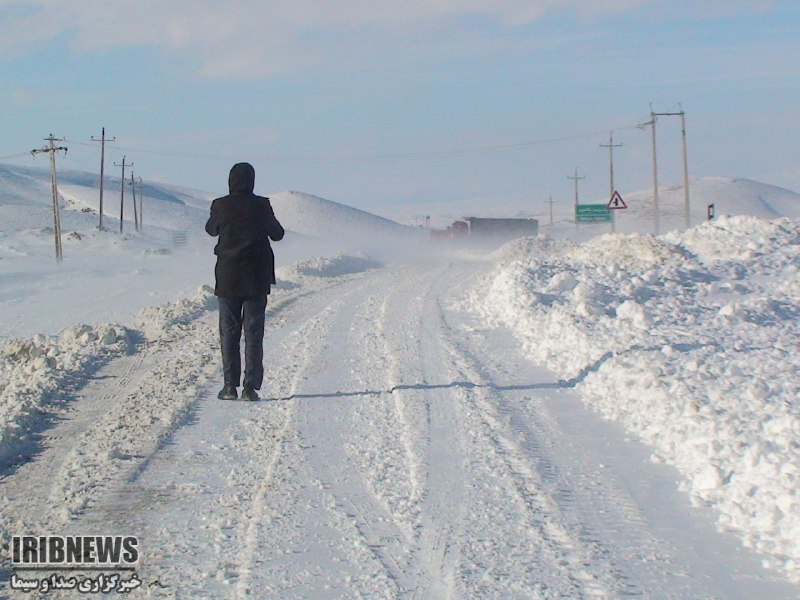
(245,223)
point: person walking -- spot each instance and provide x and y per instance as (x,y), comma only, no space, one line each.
(245,270)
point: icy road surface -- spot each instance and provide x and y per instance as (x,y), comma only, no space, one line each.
(400,451)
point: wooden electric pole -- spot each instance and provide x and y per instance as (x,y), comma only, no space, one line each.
(135,208)
(576,179)
(611,145)
(122,190)
(141,204)
(682,115)
(102,141)
(550,202)
(686,205)
(656,215)
(51,150)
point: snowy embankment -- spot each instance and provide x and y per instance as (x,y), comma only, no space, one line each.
(35,370)
(691,341)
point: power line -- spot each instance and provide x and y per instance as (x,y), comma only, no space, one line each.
(388,157)
(10,156)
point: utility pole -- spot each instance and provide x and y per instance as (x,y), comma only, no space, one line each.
(656,215)
(611,145)
(135,208)
(682,115)
(576,179)
(141,204)
(550,202)
(52,149)
(122,190)
(652,123)
(102,169)
(686,205)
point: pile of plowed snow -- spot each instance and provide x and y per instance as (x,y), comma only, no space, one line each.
(326,267)
(35,374)
(689,340)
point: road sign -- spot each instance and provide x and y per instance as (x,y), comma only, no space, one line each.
(616,202)
(592,213)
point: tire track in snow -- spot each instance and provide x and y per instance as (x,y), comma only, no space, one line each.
(173,480)
(330,437)
(302,353)
(158,400)
(35,490)
(407,413)
(268,530)
(430,429)
(599,502)
(430,561)
(444,506)
(493,446)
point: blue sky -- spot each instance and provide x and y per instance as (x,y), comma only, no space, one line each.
(395,107)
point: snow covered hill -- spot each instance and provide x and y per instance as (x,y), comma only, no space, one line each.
(730,196)
(25,203)
(314,216)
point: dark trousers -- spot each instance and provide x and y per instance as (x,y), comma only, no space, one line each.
(236,314)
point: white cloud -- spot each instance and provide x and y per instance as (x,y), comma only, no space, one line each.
(257,38)
(254,37)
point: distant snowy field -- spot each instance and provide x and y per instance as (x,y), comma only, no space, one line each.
(691,341)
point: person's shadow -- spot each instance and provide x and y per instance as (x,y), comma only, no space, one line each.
(422,386)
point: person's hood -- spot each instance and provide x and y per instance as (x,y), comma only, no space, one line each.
(242,179)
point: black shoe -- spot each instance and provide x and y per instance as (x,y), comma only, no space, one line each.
(250,394)
(228,392)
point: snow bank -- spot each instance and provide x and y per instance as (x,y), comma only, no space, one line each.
(163,322)
(691,341)
(35,373)
(324,267)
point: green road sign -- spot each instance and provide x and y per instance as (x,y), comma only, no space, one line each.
(592,213)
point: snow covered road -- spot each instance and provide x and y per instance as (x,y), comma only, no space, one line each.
(401,450)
